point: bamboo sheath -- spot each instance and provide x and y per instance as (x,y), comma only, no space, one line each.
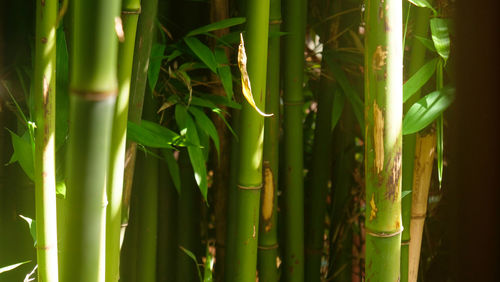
(424,159)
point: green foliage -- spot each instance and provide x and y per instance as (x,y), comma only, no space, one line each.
(226,23)
(338,107)
(441,37)
(224,72)
(426,42)
(153,135)
(173,168)
(423,4)
(12,266)
(427,109)
(32,227)
(203,52)
(419,79)
(157,51)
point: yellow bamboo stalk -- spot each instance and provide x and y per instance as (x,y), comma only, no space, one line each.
(425,149)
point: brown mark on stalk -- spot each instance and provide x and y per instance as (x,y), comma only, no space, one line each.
(394,178)
(44,40)
(268,197)
(378,137)
(119,29)
(379,57)
(43,2)
(373,208)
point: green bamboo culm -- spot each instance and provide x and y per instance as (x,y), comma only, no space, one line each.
(93,89)
(142,50)
(321,154)
(249,176)
(45,110)
(383,139)
(293,188)
(417,59)
(268,228)
(130,15)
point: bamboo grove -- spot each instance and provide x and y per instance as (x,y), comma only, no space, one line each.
(265,140)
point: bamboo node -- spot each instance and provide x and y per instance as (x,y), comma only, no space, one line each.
(268,247)
(383,234)
(279,21)
(93,95)
(249,187)
(405,242)
(131,11)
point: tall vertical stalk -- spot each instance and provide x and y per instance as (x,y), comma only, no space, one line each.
(417,59)
(93,88)
(268,229)
(249,176)
(143,43)
(45,174)
(130,15)
(321,155)
(293,189)
(383,144)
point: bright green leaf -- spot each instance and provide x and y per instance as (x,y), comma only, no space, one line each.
(426,42)
(155,59)
(206,125)
(13,266)
(405,193)
(423,4)
(224,72)
(441,37)
(203,52)
(31,226)
(193,257)
(23,153)
(427,109)
(439,151)
(152,135)
(419,79)
(61,189)
(217,25)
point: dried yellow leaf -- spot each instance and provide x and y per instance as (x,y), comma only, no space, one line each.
(245,80)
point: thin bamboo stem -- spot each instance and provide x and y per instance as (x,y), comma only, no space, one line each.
(45,174)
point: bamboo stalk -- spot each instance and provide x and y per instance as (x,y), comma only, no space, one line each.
(143,43)
(383,139)
(45,174)
(417,59)
(249,176)
(93,90)
(293,189)
(130,14)
(424,159)
(268,230)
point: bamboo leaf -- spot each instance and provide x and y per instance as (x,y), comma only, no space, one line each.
(224,72)
(423,4)
(439,140)
(188,128)
(427,109)
(426,42)
(203,52)
(349,91)
(209,265)
(155,59)
(12,266)
(338,107)
(419,79)
(173,169)
(217,25)
(405,193)
(193,257)
(152,135)
(206,125)
(31,226)
(441,37)
(246,87)
(23,153)
(204,142)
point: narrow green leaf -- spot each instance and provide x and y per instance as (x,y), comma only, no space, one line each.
(349,91)
(338,107)
(405,193)
(155,59)
(206,125)
(12,266)
(426,42)
(439,140)
(224,72)
(423,4)
(31,226)
(217,25)
(419,79)
(173,169)
(427,109)
(203,52)
(23,153)
(193,257)
(188,127)
(441,37)
(61,189)
(221,115)
(204,142)
(152,135)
